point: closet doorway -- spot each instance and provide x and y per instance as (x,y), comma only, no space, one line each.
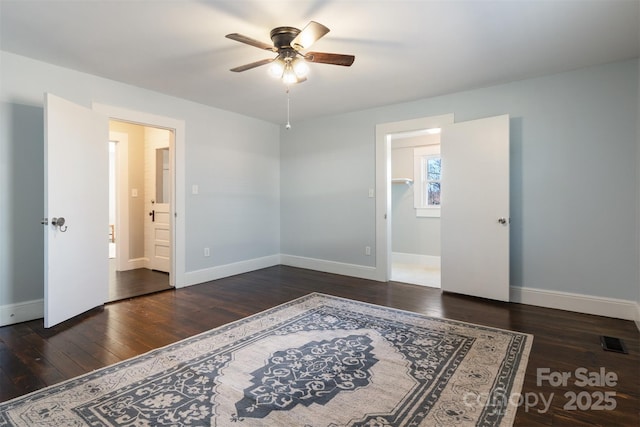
(415,207)
(140,180)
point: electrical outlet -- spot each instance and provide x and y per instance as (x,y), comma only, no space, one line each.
(207,252)
(367,250)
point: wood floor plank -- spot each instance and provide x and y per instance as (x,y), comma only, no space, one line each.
(32,356)
(21,379)
(37,362)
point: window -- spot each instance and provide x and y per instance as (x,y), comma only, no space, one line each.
(428,175)
(431,168)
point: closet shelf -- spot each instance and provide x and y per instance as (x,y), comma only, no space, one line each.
(402,181)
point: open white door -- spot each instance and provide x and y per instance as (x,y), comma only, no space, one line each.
(161,232)
(76,187)
(158,188)
(475,208)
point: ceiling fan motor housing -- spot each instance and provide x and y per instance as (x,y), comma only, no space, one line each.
(283,36)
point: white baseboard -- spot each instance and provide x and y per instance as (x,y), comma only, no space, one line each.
(600,306)
(21,312)
(334,267)
(429,261)
(135,263)
(220,271)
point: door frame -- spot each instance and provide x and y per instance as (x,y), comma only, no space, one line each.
(123,260)
(177,274)
(383,183)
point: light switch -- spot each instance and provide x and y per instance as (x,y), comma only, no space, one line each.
(194,189)
(134,192)
(371,192)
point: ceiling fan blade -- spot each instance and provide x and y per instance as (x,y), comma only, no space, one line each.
(252,65)
(253,42)
(330,58)
(309,35)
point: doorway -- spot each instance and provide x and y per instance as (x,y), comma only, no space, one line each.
(409,135)
(140,180)
(415,207)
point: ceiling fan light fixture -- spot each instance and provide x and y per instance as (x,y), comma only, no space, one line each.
(276,69)
(289,76)
(290,64)
(300,68)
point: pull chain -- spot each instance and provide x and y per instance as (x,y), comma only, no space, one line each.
(288,125)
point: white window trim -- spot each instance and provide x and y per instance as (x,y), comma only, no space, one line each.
(419,153)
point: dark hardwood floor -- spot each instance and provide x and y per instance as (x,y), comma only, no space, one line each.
(133,283)
(32,357)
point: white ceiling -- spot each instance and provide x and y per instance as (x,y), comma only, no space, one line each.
(404,50)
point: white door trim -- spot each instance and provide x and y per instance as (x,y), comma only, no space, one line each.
(178,126)
(383,183)
(122,207)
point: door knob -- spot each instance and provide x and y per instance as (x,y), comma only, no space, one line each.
(59,222)
(152,214)
(502,220)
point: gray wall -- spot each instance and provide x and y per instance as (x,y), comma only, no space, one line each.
(21,201)
(327,168)
(234,159)
(574,187)
(411,234)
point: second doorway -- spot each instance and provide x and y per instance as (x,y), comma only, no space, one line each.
(140,179)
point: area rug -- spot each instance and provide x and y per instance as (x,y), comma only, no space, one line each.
(315,361)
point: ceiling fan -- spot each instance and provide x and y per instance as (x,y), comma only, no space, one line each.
(289,42)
